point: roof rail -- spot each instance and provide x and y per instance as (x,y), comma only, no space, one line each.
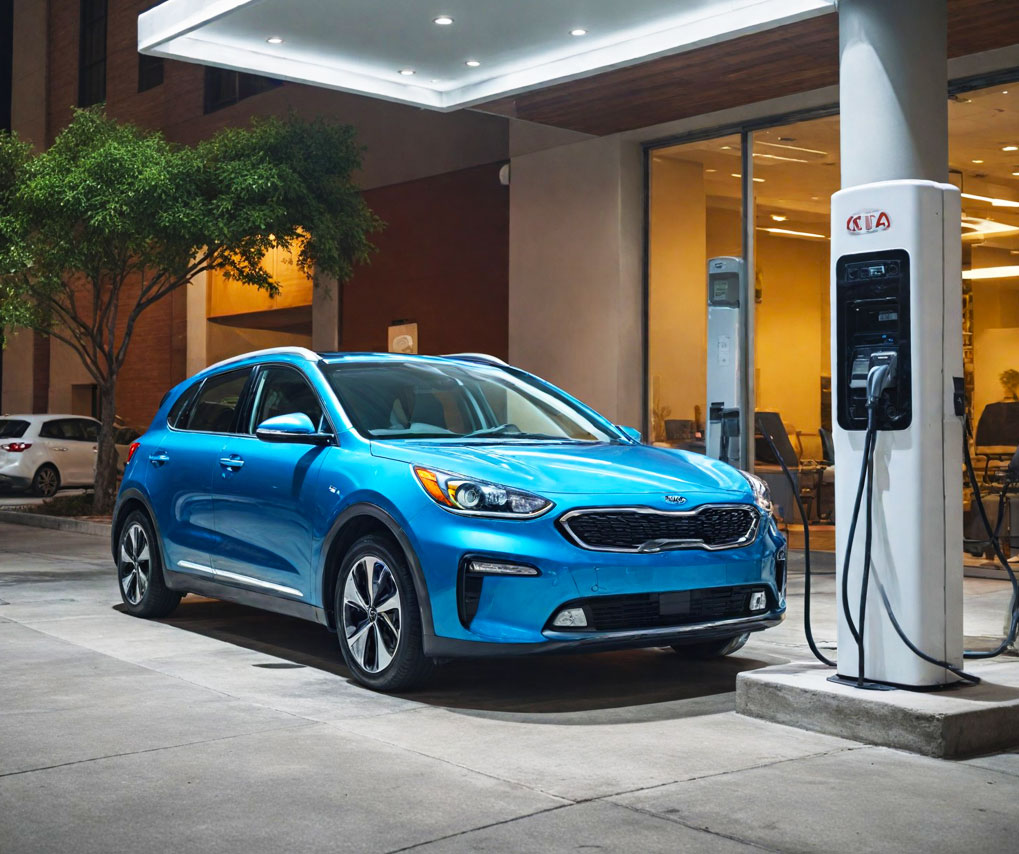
(476,357)
(303,352)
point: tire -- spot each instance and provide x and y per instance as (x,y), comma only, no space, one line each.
(378,620)
(712,648)
(46,481)
(140,570)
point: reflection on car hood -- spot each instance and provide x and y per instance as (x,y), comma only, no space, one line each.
(574,467)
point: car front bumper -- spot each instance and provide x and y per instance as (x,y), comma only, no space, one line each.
(512,615)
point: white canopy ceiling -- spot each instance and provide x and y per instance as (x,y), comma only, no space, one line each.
(407,51)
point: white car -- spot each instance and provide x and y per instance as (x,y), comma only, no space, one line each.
(45,452)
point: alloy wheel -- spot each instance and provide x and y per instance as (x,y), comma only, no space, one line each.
(371,613)
(46,482)
(135,563)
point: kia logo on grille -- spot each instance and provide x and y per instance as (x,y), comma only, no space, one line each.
(865,222)
(675,499)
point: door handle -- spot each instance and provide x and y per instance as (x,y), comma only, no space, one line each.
(59,449)
(159,457)
(233,462)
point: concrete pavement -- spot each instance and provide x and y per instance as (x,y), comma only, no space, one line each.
(226,729)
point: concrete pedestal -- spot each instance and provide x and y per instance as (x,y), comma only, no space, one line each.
(960,721)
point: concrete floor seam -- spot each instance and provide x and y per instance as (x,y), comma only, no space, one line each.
(464,832)
(154,749)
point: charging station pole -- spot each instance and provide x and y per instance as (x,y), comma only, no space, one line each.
(896,299)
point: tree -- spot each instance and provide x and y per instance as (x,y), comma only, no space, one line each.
(112,218)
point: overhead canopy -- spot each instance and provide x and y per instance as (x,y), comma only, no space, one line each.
(446,54)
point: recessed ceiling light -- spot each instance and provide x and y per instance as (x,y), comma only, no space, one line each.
(443,20)
(1006,272)
(407,72)
(1016,174)
(779,217)
(736,174)
(715,170)
(1010,148)
(579,31)
(787,233)
(726,148)
(274,40)
(472,63)
(976,161)
(993,202)
(1004,91)
(758,180)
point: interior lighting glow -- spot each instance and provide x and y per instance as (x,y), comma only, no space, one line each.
(274,40)
(579,31)
(996,203)
(472,63)
(785,232)
(758,180)
(1010,148)
(780,157)
(977,161)
(1011,272)
(735,174)
(779,217)
(407,72)
(443,20)
(793,147)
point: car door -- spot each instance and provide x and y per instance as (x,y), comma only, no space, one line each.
(180,461)
(55,435)
(263,493)
(84,445)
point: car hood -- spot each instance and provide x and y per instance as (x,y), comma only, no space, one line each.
(574,468)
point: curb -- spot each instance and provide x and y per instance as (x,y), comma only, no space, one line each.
(57,523)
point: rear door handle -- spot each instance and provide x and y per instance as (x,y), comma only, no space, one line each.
(232,462)
(159,457)
(59,449)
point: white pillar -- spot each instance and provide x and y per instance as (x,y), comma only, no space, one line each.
(196,357)
(326,306)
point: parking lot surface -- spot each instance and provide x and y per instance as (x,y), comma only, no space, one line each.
(227,729)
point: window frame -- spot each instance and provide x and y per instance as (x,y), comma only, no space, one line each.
(251,400)
(240,407)
(88,26)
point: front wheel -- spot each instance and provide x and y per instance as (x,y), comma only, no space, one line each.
(140,570)
(378,620)
(712,648)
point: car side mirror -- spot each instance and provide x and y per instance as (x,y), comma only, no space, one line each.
(632,432)
(294,428)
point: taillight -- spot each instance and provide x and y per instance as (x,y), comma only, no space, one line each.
(131,449)
(16,447)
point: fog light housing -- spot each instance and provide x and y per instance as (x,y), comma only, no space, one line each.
(477,566)
(758,600)
(570,618)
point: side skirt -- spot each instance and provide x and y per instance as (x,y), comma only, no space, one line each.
(185,582)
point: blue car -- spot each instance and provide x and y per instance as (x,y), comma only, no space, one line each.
(425,508)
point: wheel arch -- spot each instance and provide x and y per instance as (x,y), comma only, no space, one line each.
(353,523)
(127,502)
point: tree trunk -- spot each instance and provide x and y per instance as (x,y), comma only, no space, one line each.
(106,460)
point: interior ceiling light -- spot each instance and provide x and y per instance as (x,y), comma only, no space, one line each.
(974,226)
(472,63)
(997,203)
(407,72)
(274,40)
(758,180)
(793,148)
(1016,174)
(715,170)
(578,31)
(992,273)
(785,232)
(735,174)
(976,161)
(1010,148)
(779,217)
(780,157)
(443,20)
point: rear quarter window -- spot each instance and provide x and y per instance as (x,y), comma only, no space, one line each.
(12,428)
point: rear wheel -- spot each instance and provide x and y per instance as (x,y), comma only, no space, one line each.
(46,481)
(378,621)
(140,570)
(712,648)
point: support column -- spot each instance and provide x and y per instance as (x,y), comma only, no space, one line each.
(326,296)
(893,90)
(197,345)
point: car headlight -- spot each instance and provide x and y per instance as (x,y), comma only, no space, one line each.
(472,496)
(762,495)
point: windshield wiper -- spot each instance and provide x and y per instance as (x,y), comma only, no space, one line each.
(511,431)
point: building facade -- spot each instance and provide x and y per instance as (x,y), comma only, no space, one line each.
(585,261)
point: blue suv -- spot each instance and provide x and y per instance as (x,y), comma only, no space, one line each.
(425,508)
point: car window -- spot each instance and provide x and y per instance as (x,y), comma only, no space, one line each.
(181,403)
(12,428)
(213,410)
(88,431)
(282,391)
(59,428)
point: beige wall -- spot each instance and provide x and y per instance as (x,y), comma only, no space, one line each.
(995,329)
(227,341)
(677,312)
(575,272)
(66,370)
(17,385)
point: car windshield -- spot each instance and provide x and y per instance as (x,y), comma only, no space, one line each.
(12,428)
(417,400)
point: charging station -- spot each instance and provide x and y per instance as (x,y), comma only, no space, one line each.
(896,298)
(725,276)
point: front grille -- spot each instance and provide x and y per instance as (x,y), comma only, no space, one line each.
(658,610)
(646,530)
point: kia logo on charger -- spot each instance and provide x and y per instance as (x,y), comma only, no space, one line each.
(864,222)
